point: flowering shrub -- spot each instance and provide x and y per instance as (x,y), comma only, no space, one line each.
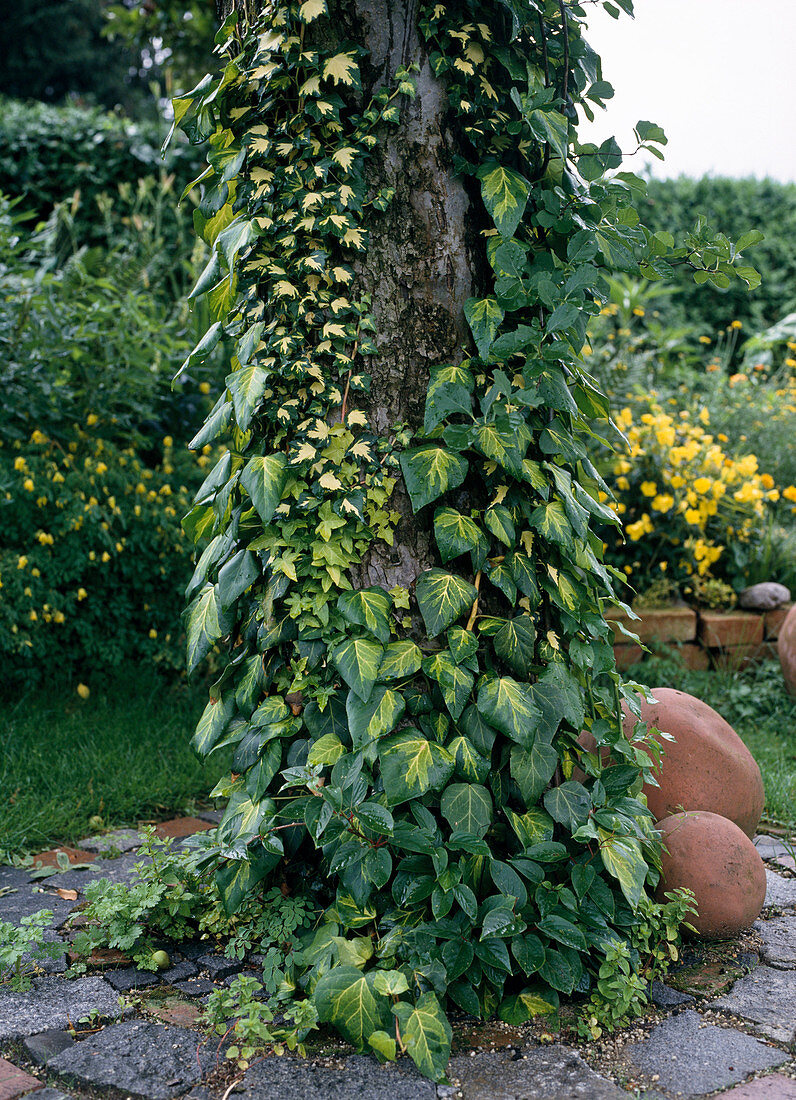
(688,506)
(93,563)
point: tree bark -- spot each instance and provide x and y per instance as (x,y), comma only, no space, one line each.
(423,251)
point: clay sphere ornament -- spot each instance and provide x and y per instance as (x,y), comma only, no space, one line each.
(711,856)
(786,647)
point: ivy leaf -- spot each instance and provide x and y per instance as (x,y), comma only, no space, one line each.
(411,765)
(442,599)
(532,769)
(550,520)
(569,804)
(369,607)
(206,623)
(455,682)
(342,69)
(522,1007)
(357,660)
(483,316)
(426,1034)
(478,730)
(239,573)
(311,9)
(444,399)
(456,534)
(467,807)
(470,764)
(498,442)
(217,422)
(509,707)
(559,928)
(400,659)
(498,520)
(514,644)
(346,998)
(463,644)
(371,720)
(623,858)
(263,478)
(558,695)
(505,194)
(533,827)
(431,471)
(528,950)
(246,387)
(326,750)
(215,718)
(236,879)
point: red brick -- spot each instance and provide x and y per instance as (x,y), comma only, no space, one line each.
(179,827)
(627,655)
(694,656)
(102,958)
(773,620)
(774,1087)
(15,1082)
(723,629)
(74,855)
(669,624)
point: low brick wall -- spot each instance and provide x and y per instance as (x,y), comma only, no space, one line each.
(703,639)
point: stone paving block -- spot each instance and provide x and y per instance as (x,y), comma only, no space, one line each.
(665,997)
(219,966)
(131,978)
(148,1060)
(54,1003)
(47,965)
(766,999)
(691,1056)
(774,1087)
(120,840)
(213,816)
(195,987)
(26,900)
(779,890)
(44,1046)
(180,972)
(117,870)
(52,1094)
(777,851)
(552,1072)
(361,1077)
(779,941)
(15,1082)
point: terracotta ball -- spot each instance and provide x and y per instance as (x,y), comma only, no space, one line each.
(713,857)
(786,647)
(706,767)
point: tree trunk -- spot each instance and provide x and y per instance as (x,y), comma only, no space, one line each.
(424,251)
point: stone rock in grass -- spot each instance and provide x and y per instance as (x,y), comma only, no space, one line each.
(766,596)
(711,856)
(120,840)
(54,1003)
(690,1056)
(44,1046)
(145,1060)
(786,648)
(130,977)
(707,767)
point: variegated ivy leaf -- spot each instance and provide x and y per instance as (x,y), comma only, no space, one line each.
(623,858)
(263,478)
(426,1034)
(470,764)
(457,534)
(346,998)
(357,660)
(379,716)
(455,682)
(467,807)
(311,9)
(484,316)
(246,387)
(505,194)
(442,598)
(368,607)
(401,659)
(550,520)
(509,706)
(214,721)
(532,769)
(411,765)
(206,623)
(431,471)
(514,644)
(342,69)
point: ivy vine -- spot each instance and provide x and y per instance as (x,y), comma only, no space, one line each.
(431,779)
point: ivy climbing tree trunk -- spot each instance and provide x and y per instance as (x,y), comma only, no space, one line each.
(401,544)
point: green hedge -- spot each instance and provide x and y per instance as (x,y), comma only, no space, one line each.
(48,153)
(732,206)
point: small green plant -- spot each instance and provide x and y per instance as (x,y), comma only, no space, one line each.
(629,967)
(21,945)
(662,592)
(709,592)
(271,925)
(254,1031)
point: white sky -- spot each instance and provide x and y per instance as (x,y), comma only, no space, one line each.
(718,75)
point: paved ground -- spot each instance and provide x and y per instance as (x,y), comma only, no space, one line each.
(725,1023)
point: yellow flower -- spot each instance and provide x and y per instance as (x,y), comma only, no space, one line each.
(622,483)
(736,324)
(92,555)
(638,312)
(204,387)
(83,691)
(105,556)
(35,572)
(704,339)
(58,478)
(27,484)
(722,438)
(22,560)
(81,594)
(692,516)
(648,488)
(33,617)
(168,441)
(790,493)
(38,437)
(736,378)
(704,416)
(59,617)
(102,468)
(41,502)
(153,634)
(663,566)
(767,481)
(19,463)
(44,538)
(702,485)
(28,592)
(663,502)
(92,419)
(676,481)
(119,548)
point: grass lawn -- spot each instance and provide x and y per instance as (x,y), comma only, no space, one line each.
(758,708)
(122,754)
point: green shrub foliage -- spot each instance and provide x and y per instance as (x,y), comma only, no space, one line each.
(419,748)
